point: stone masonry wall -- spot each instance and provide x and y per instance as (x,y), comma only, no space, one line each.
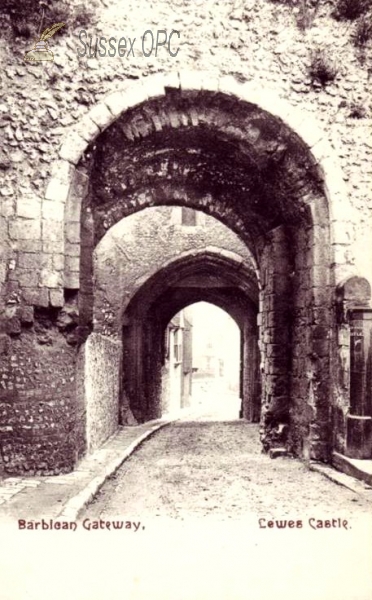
(138,246)
(255,41)
(258,41)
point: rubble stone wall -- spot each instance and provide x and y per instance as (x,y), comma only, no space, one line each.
(51,115)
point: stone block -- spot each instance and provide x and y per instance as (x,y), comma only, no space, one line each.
(333,177)
(101,116)
(73,148)
(13,325)
(320,347)
(62,171)
(36,296)
(57,190)
(52,231)
(72,263)
(78,190)
(171,81)
(27,278)
(190,80)
(319,236)
(71,280)
(50,278)
(320,276)
(321,150)
(87,129)
(58,261)
(28,207)
(320,296)
(73,233)
(53,247)
(52,209)
(7,207)
(229,85)
(116,102)
(210,82)
(56,297)
(319,212)
(321,256)
(135,94)
(310,133)
(154,86)
(32,246)
(27,260)
(72,249)
(24,229)
(26,314)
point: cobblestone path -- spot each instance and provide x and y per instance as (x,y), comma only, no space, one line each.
(215,468)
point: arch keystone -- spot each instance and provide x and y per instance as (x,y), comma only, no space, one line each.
(191,81)
(230,86)
(171,81)
(210,82)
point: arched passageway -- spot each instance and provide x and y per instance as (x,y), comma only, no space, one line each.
(205,277)
(223,152)
(240,164)
(265,172)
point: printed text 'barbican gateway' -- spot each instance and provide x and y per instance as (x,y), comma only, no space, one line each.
(149,43)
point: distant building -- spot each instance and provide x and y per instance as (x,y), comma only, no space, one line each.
(177,369)
(216,350)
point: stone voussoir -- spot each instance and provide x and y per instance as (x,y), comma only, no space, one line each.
(87,128)
(73,147)
(191,81)
(154,86)
(171,81)
(62,170)
(101,116)
(116,102)
(230,86)
(135,94)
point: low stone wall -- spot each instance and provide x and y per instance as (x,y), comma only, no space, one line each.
(40,419)
(102,367)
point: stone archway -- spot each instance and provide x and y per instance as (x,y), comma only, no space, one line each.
(262,169)
(208,277)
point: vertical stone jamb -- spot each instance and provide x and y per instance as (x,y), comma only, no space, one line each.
(275,324)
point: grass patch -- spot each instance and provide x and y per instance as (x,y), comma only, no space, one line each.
(363,31)
(322,68)
(28,17)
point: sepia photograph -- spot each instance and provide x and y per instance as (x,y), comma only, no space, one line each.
(185,299)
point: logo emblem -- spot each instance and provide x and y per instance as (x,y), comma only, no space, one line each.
(41,50)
